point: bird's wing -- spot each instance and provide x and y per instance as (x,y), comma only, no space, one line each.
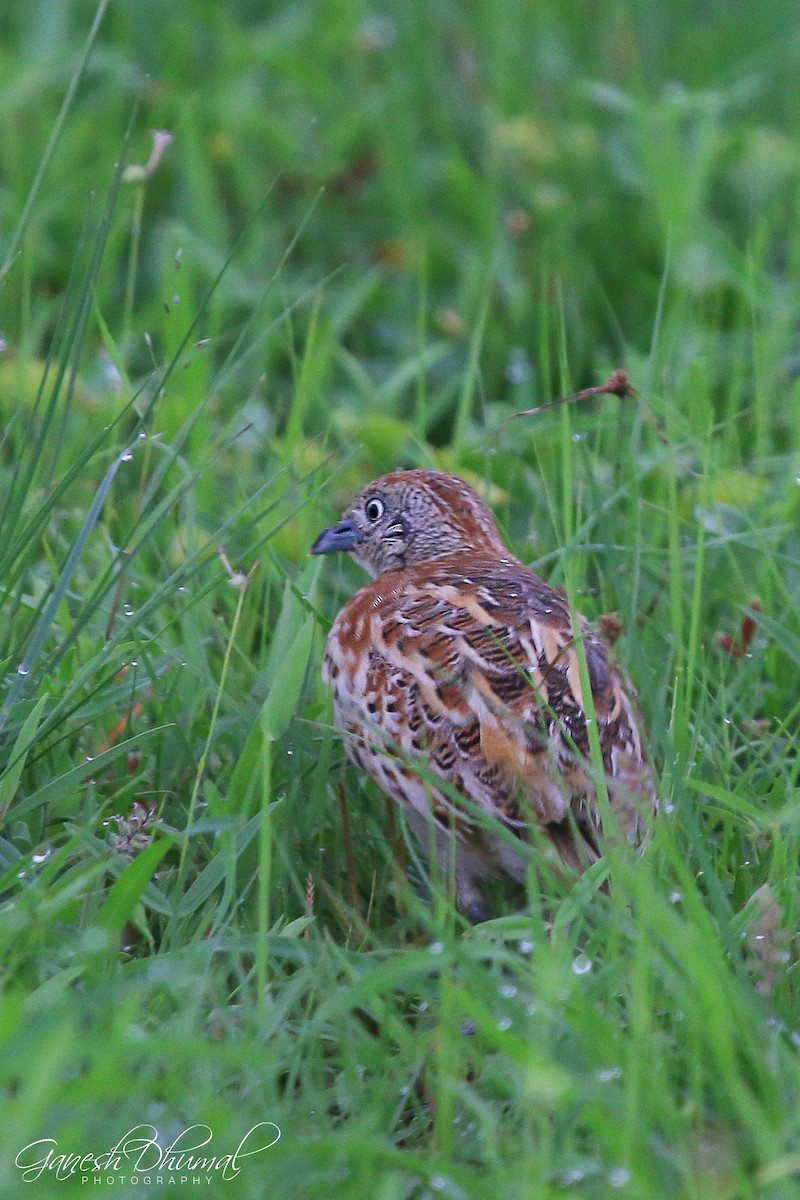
(483,665)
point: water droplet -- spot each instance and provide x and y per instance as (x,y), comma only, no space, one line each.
(438,1183)
(378,32)
(404,1090)
(436,947)
(127,456)
(619,1176)
(525,946)
(518,368)
(142,436)
(504,1024)
(423,1007)
(609,1073)
(674,897)
(669,808)
(90,758)
(581,965)
(40,858)
(508,990)
(134,662)
(577,437)
(111,375)
(575,1175)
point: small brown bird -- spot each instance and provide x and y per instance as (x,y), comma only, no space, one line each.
(460,660)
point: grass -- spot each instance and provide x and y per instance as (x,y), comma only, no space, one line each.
(376,237)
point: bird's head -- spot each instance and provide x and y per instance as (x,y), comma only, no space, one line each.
(411,516)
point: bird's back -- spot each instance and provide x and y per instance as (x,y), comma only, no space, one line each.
(465,668)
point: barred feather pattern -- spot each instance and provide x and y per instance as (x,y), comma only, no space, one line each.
(463,667)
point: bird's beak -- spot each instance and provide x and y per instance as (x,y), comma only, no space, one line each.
(343,536)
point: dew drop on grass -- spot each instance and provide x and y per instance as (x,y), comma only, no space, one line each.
(127,456)
(23,669)
(40,858)
(609,1073)
(619,1177)
(525,946)
(504,1024)
(518,369)
(438,1183)
(508,990)
(581,965)
(378,32)
(674,897)
(436,947)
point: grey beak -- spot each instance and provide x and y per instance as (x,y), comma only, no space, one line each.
(339,537)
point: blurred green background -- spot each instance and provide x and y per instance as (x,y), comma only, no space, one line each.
(376,235)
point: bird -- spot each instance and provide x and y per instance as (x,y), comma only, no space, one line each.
(456,683)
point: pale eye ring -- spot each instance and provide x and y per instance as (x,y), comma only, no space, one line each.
(373,509)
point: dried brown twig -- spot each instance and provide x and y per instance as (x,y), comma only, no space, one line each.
(618,384)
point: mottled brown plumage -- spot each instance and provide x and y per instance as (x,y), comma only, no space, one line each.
(459,663)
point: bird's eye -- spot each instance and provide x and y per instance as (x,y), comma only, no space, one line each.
(373,509)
